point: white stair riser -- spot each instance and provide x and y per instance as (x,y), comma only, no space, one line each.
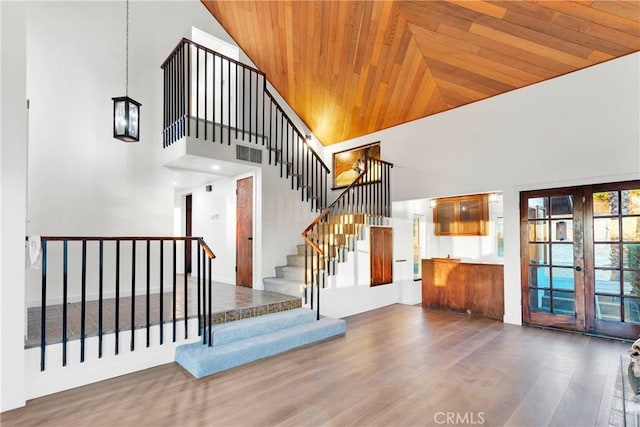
(290,272)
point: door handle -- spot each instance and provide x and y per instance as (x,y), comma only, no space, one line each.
(250,238)
(578,268)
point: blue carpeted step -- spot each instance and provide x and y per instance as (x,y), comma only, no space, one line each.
(201,360)
(246,328)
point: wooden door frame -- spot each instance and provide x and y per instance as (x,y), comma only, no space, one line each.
(563,321)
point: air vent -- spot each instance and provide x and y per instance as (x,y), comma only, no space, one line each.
(248,154)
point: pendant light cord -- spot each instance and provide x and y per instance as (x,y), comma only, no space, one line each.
(126,67)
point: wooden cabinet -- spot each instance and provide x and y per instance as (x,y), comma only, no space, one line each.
(381,255)
(463,287)
(462,216)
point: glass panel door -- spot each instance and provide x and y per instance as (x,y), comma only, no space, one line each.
(616,259)
(552,258)
(580,258)
(417,258)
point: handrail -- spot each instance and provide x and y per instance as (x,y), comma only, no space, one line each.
(219,99)
(199,46)
(297,131)
(366,197)
(200,240)
(111,261)
(357,181)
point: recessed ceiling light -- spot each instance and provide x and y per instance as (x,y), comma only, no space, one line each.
(215,167)
(175,183)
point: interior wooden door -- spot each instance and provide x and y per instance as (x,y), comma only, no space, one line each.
(244,232)
(381,239)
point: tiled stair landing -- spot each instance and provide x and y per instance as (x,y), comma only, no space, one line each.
(230,303)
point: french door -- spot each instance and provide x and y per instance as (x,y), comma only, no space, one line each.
(580,250)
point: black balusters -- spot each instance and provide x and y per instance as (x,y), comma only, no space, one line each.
(83,307)
(209,312)
(185,305)
(199,299)
(198,93)
(206,56)
(213,98)
(148,296)
(43,308)
(174,288)
(188,94)
(250,99)
(229,102)
(117,314)
(65,286)
(100,291)
(133,294)
(222,101)
(237,101)
(161,302)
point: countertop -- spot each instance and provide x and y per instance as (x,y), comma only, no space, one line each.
(465,261)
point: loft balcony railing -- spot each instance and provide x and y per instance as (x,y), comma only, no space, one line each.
(366,201)
(215,98)
(94,264)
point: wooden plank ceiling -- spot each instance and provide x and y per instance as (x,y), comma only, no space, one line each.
(349,68)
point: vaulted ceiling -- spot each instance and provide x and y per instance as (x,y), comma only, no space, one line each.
(349,68)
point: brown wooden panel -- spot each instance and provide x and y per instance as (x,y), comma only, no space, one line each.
(348,68)
(465,287)
(381,240)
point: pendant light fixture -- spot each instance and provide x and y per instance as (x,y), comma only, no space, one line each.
(126,111)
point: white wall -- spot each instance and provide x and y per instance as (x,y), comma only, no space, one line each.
(68,59)
(402,249)
(279,213)
(468,248)
(214,219)
(13,173)
(576,129)
(81,180)
(284,216)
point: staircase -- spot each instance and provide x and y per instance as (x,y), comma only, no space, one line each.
(335,233)
(345,231)
(289,278)
(366,201)
(220,101)
(217,99)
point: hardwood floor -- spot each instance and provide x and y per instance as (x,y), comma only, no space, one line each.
(398,365)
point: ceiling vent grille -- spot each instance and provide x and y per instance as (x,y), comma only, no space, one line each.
(248,154)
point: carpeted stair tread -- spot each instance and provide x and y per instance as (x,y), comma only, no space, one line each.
(201,360)
(226,333)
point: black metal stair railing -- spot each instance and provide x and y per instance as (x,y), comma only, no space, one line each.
(366,201)
(60,247)
(215,98)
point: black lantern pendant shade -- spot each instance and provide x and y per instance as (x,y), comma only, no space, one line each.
(126,119)
(126,111)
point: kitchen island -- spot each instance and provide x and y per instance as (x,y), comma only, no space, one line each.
(468,287)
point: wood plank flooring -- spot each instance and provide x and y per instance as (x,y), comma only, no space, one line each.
(396,366)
